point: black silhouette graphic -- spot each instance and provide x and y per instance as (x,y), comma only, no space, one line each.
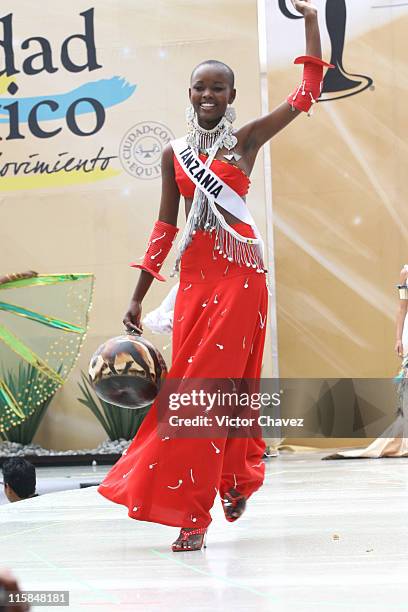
(285,11)
(337,82)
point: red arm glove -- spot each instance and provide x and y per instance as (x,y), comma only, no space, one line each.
(160,242)
(310,89)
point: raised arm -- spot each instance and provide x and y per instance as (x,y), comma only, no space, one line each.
(256,133)
(162,236)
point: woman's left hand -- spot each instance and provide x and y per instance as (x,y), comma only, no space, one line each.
(305,7)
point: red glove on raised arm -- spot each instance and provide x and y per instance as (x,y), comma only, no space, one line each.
(160,242)
(310,89)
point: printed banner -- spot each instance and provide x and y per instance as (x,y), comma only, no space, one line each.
(90,94)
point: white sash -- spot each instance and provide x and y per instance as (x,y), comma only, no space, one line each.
(215,190)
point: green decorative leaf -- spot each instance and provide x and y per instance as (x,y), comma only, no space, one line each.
(40,318)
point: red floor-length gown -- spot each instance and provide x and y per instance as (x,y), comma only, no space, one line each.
(218,332)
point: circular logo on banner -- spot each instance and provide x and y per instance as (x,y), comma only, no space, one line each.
(141,149)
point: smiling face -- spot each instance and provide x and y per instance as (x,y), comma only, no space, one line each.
(212,89)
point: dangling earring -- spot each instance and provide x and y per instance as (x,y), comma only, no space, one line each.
(190,113)
(230,140)
(190,116)
(230,114)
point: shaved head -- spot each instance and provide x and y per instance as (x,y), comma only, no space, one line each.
(218,66)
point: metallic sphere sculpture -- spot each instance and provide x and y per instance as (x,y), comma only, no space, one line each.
(127,371)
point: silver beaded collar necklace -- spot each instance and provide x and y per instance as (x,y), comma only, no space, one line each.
(221,136)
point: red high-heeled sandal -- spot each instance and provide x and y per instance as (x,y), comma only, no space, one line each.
(234,505)
(190,539)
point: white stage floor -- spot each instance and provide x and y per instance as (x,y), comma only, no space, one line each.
(318,536)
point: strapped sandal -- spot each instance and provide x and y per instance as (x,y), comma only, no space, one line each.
(234,505)
(190,539)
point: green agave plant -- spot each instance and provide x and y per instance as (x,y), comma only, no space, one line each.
(117,422)
(32,405)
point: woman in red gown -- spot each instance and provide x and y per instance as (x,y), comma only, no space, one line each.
(220,311)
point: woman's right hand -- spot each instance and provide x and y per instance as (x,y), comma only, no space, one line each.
(131,320)
(398,348)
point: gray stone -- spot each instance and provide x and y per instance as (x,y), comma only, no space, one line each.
(108,447)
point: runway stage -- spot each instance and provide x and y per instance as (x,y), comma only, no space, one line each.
(318,536)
